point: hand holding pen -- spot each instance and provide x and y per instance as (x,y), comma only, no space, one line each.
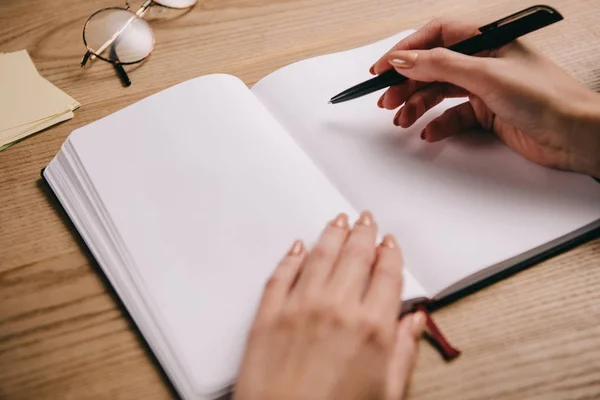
(531,104)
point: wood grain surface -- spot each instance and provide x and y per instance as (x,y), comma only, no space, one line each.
(535,335)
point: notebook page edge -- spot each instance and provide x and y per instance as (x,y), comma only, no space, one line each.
(518,262)
(123,292)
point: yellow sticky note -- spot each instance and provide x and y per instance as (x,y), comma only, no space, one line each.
(26,97)
(13,135)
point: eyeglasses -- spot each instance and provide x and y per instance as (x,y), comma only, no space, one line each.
(121,37)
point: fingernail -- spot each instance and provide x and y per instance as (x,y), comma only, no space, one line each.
(418,324)
(423,134)
(341,221)
(296,248)
(372,70)
(397,117)
(366,218)
(389,242)
(403,59)
(380,101)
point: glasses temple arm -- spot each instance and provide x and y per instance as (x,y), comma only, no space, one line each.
(119,67)
(85,58)
(144,7)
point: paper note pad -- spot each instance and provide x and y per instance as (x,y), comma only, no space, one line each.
(28,102)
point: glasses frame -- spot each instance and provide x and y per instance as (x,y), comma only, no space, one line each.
(118,65)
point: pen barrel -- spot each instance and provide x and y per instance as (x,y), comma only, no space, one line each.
(496,37)
(492,36)
(471,46)
(388,78)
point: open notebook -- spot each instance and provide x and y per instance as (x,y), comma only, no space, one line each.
(188,199)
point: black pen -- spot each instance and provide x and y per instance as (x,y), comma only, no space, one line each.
(492,36)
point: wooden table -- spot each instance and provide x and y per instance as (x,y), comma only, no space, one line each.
(62,336)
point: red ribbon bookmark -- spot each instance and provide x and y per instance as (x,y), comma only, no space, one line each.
(436,337)
(432,332)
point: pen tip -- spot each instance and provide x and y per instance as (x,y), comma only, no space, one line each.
(329,102)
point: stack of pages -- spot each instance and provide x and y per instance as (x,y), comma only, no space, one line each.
(189,198)
(28,102)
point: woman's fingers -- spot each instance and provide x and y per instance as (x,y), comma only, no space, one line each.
(478,75)
(455,120)
(404,355)
(353,268)
(424,100)
(437,33)
(383,296)
(322,257)
(396,95)
(281,282)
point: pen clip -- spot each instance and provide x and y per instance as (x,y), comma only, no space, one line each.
(535,17)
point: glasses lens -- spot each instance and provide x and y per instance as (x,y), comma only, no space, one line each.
(118,35)
(176,3)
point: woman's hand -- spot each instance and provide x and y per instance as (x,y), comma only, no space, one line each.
(530,103)
(327,326)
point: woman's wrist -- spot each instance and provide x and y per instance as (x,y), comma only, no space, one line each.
(583,122)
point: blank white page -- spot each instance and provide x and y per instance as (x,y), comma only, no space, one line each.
(207,192)
(457,206)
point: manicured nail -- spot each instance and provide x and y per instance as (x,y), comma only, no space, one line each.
(397,117)
(296,248)
(418,324)
(372,70)
(380,101)
(389,242)
(366,218)
(341,221)
(403,59)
